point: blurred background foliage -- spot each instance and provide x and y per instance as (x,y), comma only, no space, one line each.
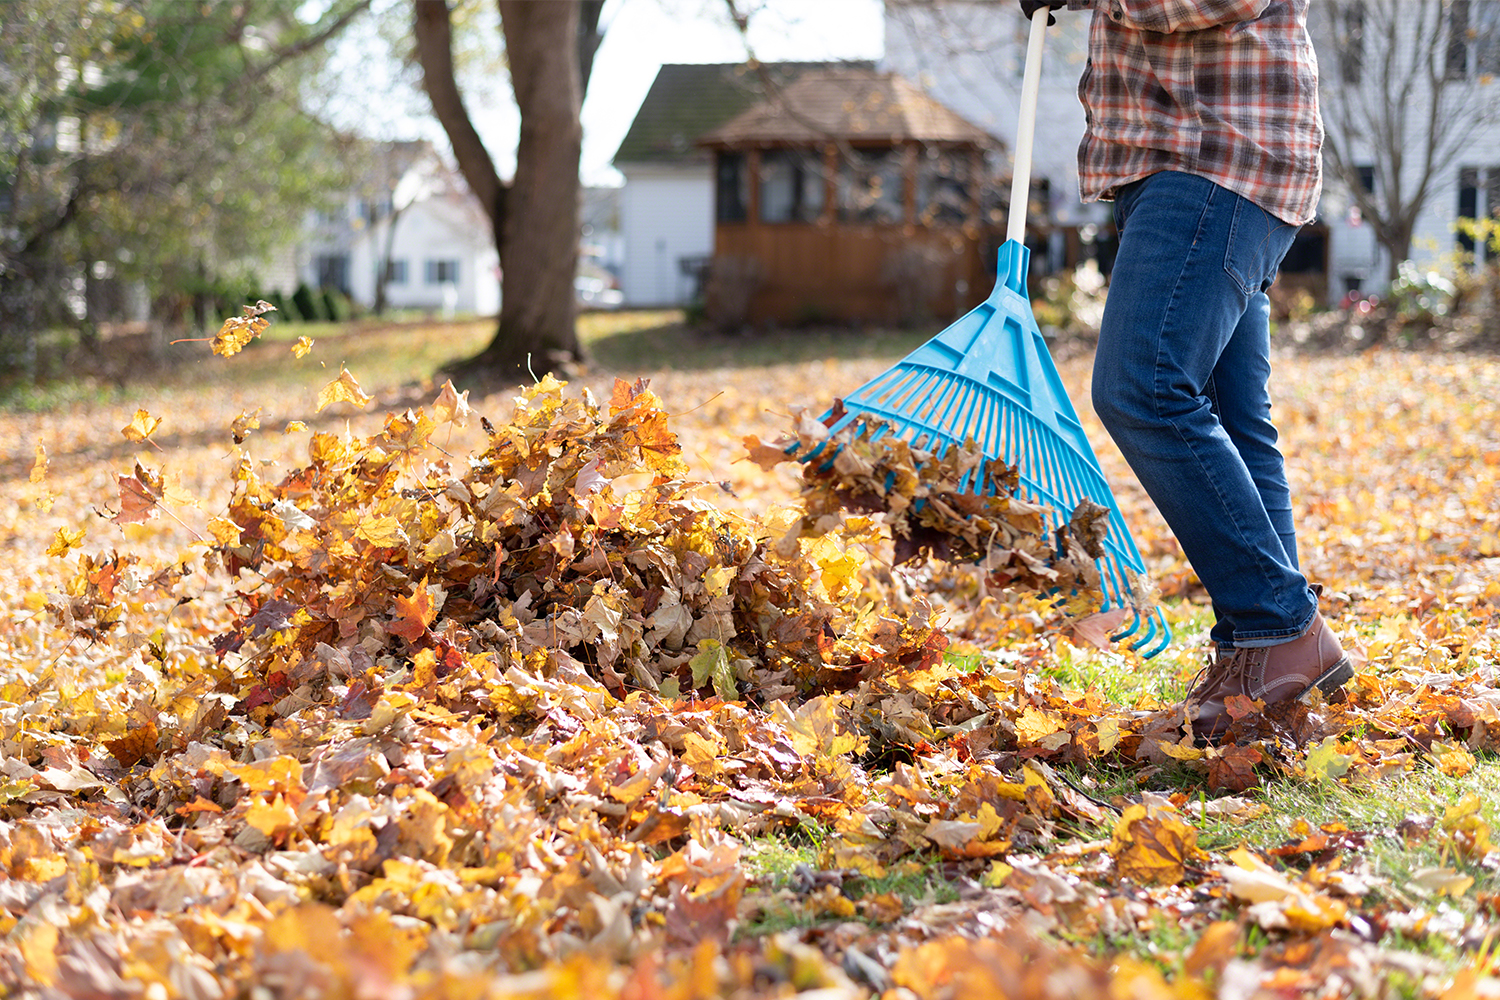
(158,146)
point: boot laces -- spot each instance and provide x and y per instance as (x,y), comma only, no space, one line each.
(1220,673)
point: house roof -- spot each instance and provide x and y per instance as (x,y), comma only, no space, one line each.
(688,99)
(848,103)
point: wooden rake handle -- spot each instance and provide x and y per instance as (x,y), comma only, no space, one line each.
(1031,85)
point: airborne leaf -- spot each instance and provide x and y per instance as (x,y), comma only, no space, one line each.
(141,426)
(343,389)
(237,331)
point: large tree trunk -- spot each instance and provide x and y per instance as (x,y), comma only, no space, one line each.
(539,241)
(536,217)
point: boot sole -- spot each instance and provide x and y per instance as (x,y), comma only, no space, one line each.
(1331,680)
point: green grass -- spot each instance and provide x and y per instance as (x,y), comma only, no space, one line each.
(781,864)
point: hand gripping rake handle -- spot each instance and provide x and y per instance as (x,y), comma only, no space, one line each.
(1031,85)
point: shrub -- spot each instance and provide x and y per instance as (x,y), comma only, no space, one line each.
(337,307)
(307,305)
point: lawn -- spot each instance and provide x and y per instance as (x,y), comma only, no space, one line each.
(331,774)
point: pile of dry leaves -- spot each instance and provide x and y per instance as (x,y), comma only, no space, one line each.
(505,724)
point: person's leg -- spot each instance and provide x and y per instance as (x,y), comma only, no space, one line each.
(1238,395)
(1192,255)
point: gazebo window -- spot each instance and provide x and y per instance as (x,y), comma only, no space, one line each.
(791,186)
(869,186)
(732,188)
(944,187)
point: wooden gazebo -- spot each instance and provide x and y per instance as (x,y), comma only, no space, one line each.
(850,195)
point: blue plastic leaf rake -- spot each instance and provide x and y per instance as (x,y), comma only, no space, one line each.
(988,380)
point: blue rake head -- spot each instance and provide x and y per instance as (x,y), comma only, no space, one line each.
(990,380)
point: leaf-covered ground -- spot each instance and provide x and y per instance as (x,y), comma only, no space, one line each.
(438,696)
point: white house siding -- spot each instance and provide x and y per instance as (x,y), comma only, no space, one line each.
(444,227)
(666,217)
(1354,254)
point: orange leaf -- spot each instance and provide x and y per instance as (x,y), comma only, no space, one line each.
(414,613)
(137,502)
(1238,706)
(1219,943)
(199,804)
(138,744)
(767,456)
(1095,630)
(1233,770)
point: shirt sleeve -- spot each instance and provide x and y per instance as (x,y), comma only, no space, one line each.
(1180,15)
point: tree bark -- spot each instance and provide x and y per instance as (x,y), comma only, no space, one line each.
(539,238)
(536,217)
(433,31)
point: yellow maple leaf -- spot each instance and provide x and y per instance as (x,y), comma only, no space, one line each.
(271,817)
(383,532)
(301,348)
(225,531)
(451,406)
(1153,845)
(1034,724)
(65,540)
(39,466)
(238,331)
(38,950)
(343,389)
(701,755)
(45,498)
(1325,763)
(274,773)
(242,425)
(141,426)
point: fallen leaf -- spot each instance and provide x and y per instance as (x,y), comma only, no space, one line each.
(1152,845)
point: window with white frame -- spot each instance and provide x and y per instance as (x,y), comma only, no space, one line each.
(1478,198)
(442,272)
(1473,38)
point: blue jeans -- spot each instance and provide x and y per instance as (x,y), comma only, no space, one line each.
(1180,384)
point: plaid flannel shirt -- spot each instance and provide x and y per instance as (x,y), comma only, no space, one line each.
(1225,89)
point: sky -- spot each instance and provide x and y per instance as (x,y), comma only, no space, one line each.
(640,35)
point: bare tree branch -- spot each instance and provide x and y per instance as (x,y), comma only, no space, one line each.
(1407,115)
(432,27)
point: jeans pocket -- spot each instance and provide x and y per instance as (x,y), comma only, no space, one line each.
(1257,243)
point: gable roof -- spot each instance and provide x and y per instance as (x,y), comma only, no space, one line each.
(848,103)
(688,99)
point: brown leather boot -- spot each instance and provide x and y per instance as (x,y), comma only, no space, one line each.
(1270,674)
